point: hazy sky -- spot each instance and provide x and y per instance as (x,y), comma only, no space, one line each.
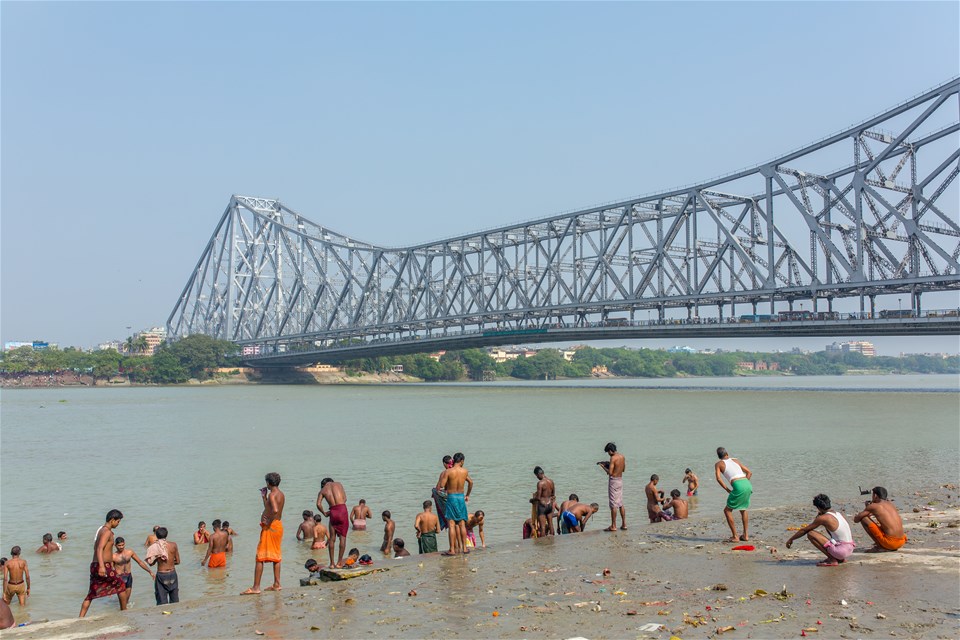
(127,126)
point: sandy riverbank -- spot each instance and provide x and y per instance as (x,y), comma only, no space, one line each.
(664,582)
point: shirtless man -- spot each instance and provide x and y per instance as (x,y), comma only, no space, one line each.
(6,616)
(305,530)
(678,504)
(614,469)
(61,536)
(271,533)
(475,521)
(217,547)
(389,526)
(122,561)
(564,522)
(321,536)
(427,526)
(166,585)
(693,482)
(336,498)
(881,520)
(452,481)
(48,546)
(399,548)
(359,515)
(582,512)
(654,512)
(104,579)
(543,497)
(16,578)
(152,537)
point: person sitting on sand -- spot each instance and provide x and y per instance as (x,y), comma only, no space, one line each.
(678,504)
(320,534)
(881,520)
(305,530)
(399,548)
(693,482)
(49,546)
(839,545)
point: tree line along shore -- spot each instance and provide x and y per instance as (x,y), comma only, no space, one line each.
(202,358)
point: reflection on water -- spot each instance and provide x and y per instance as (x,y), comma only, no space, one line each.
(173,456)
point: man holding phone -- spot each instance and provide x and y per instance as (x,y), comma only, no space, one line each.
(271,533)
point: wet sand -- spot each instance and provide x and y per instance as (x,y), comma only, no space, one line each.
(670,579)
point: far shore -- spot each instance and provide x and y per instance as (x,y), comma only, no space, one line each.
(243,376)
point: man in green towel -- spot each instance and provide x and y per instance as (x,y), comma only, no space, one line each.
(427,525)
(738,475)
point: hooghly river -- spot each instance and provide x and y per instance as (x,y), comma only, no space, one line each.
(177,455)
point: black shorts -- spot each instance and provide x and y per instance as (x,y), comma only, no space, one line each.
(544,509)
(128,580)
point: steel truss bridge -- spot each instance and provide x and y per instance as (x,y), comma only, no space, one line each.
(691,262)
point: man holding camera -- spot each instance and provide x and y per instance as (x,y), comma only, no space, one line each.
(881,521)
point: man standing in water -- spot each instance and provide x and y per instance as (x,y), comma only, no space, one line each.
(217,549)
(740,490)
(166,556)
(122,561)
(359,515)
(693,482)
(427,526)
(543,497)
(614,469)
(452,481)
(16,578)
(271,533)
(336,498)
(882,522)
(104,580)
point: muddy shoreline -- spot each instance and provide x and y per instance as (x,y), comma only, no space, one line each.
(670,579)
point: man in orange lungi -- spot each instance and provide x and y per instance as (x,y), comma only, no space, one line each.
(271,533)
(217,549)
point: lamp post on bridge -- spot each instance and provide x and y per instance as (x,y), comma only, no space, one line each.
(900,306)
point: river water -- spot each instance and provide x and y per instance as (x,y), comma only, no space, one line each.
(177,455)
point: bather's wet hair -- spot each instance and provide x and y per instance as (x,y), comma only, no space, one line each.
(687,470)
(272,479)
(880,492)
(47,537)
(226,525)
(15,551)
(318,518)
(162,533)
(654,478)
(610,448)
(594,506)
(537,470)
(427,504)
(675,493)
(447,460)
(201,524)
(307,514)
(113,514)
(574,496)
(354,552)
(310,563)
(458,457)
(119,540)
(399,543)
(61,535)
(386,514)
(324,482)
(362,501)
(216,524)
(721,453)
(821,501)
(478,514)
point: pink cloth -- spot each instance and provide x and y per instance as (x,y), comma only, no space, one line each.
(615,492)
(157,550)
(839,550)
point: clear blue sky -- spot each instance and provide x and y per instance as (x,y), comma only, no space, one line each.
(126,126)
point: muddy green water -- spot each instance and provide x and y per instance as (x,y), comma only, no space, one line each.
(173,456)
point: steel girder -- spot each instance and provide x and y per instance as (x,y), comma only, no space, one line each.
(781,231)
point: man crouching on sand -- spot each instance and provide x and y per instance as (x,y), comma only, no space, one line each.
(882,522)
(839,545)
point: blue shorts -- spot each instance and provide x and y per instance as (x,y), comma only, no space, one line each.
(456,507)
(570,520)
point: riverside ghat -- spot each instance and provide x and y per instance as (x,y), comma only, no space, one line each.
(672,579)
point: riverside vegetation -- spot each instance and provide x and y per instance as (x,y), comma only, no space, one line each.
(194,357)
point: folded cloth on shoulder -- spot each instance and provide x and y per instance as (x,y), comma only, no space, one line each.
(157,550)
